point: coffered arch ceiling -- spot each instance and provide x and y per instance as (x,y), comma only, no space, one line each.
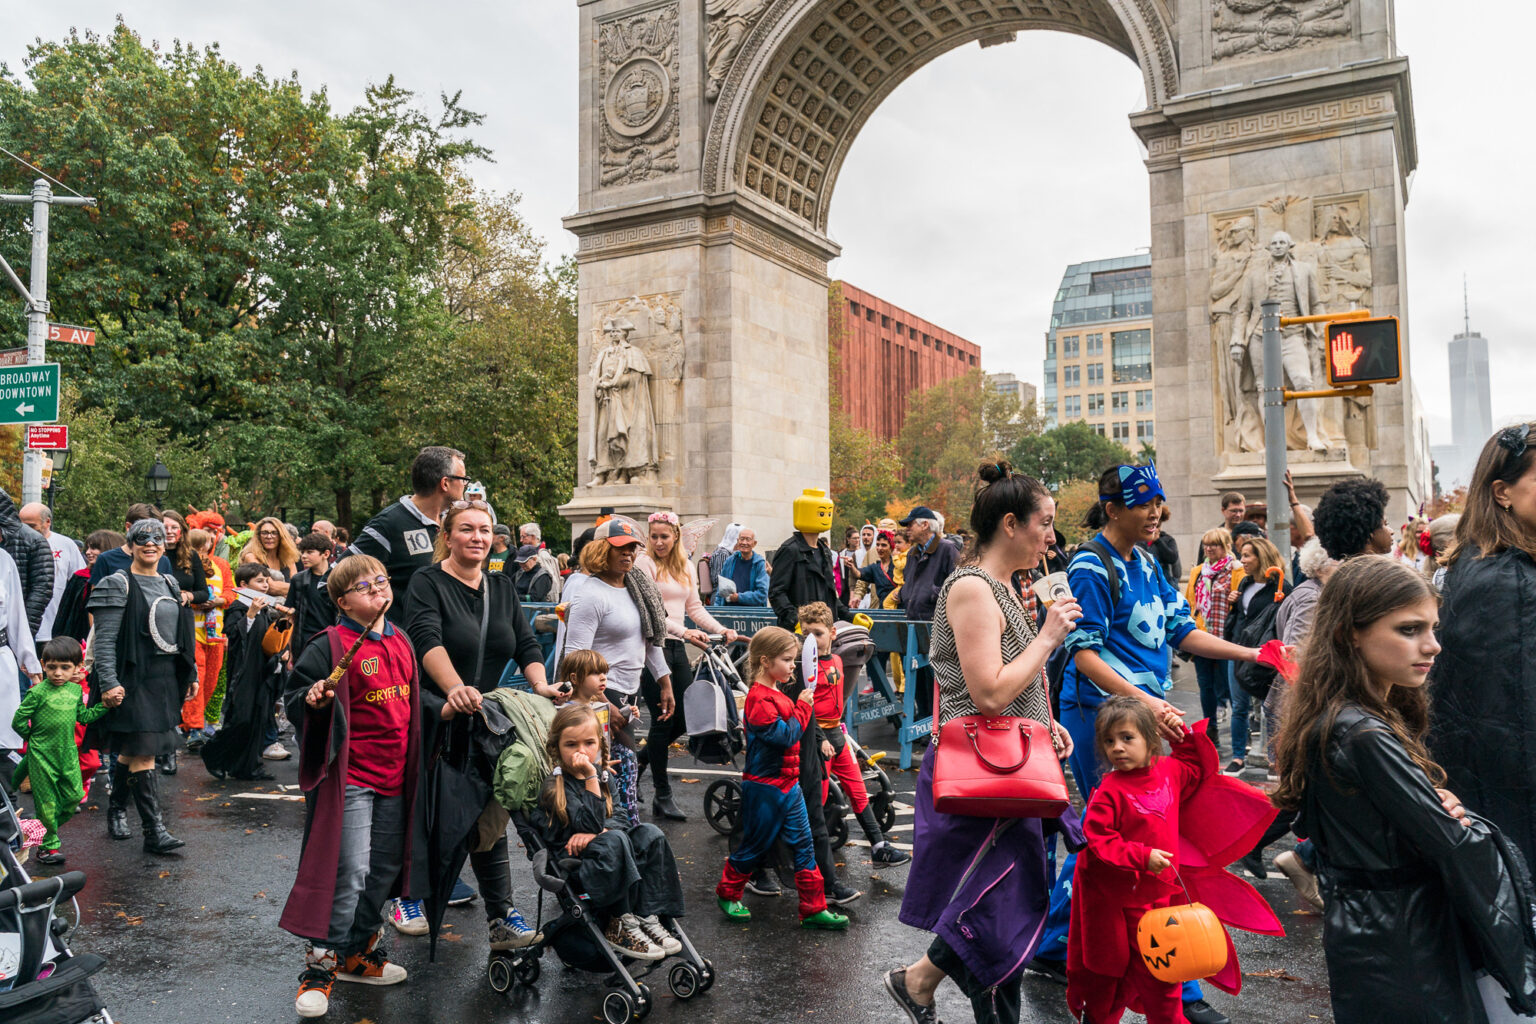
(812,71)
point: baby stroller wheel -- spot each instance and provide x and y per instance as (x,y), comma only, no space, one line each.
(684,981)
(706,976)
(619,1008)
(722,805)
(499,973)
(885,811)
(837,830)
(644,1009)
(527,971)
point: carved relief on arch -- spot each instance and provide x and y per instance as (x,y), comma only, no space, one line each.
(637,88)
(806,74)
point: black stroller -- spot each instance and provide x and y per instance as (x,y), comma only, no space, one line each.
(577,939)
(41,981)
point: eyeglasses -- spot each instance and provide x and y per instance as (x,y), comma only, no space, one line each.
(450,476)
(469,503)
(367,586)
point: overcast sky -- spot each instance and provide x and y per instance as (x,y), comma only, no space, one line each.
(974,185)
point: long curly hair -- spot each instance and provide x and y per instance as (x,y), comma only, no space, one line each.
(572,716)
(1360,592)
(287,552)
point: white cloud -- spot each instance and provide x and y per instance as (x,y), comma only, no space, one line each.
(975,183)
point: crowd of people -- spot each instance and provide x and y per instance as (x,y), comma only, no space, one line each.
(1376,711)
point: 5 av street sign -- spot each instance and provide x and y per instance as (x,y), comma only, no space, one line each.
(29,394)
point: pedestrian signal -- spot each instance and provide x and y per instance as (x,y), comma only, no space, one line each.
(1364,352)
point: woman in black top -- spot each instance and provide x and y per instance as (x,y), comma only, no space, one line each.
(186,566)
(445,607)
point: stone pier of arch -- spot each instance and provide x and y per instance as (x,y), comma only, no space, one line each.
(712,132)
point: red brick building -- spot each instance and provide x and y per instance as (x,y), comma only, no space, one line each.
(883,354)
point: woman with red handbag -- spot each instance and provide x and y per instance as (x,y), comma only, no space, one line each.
(980,883)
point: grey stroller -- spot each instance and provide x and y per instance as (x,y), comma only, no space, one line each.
(710,715)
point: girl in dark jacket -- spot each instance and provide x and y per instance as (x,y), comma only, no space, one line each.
(1250,622)
(1418,895)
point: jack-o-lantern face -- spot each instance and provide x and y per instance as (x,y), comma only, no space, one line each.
(1181,943)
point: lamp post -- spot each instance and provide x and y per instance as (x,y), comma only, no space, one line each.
(159,480)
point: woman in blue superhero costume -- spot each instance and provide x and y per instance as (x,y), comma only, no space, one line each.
(1123,645)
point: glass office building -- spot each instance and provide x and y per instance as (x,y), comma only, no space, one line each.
(1098,351)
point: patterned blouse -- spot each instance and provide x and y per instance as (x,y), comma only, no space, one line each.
(954,697)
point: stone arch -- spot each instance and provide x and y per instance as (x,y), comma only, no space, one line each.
(812,71)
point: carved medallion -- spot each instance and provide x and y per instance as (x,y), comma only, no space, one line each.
(637,97)
(1254,28)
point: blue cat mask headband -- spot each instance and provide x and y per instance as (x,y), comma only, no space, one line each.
(1138,485)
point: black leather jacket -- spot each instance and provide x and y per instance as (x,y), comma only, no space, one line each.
(33,557)
(1414,902)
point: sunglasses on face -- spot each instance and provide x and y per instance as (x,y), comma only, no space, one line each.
(368,586)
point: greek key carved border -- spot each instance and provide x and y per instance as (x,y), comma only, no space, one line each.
(1320,116)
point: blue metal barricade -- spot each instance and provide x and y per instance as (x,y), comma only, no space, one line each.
(892,634)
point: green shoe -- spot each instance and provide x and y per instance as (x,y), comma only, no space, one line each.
(735,910)
(826,920)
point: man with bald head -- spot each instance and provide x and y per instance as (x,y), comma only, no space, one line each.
(327,529)
(67,560)
(747,571)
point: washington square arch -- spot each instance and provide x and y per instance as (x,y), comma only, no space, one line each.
(712,132)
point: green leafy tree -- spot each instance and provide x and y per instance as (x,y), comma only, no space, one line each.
(1072,451)
(949,430)
(865,472)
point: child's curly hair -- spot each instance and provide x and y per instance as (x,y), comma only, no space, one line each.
(572,716)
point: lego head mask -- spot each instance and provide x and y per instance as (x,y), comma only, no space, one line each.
(813,511)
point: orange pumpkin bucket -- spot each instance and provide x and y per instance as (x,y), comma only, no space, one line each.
(1181,943)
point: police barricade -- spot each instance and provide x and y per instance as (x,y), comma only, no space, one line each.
(893,636)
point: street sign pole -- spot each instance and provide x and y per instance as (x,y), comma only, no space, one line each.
(42,199)
(1279,516)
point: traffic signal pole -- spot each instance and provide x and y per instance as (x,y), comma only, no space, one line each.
(1279,518)
(36,297)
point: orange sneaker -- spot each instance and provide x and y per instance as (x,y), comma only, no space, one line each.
(315,984)
(370,968)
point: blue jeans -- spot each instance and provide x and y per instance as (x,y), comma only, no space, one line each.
(1241,702)
(1215,680)
(371,854)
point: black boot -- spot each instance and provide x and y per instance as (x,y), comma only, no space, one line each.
(664,806)
(145,788)
(167,763)
(117,802)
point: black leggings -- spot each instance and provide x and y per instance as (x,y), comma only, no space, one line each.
(493,870)
(662,733)
(999,1005)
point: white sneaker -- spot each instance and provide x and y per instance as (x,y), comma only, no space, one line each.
(627,938)
(657,933)
(276,752)
(408,918)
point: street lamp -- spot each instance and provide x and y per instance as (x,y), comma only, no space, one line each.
(159,480)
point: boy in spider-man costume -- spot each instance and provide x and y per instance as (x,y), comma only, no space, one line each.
(1156,827)
(772,804)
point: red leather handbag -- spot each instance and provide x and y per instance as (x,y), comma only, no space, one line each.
(997,767)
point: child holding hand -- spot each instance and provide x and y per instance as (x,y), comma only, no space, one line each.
(772,804)
(47,719)
(626,872)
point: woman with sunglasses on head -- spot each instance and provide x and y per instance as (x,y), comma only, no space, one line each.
(667,565)
(271,546)
(146,666)
(1483,690)
(468,625)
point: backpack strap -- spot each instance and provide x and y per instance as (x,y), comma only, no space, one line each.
(1093,545)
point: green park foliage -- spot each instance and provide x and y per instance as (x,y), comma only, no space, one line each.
(288,300)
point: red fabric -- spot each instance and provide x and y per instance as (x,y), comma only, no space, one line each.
(1273,655)
(1180,804)
(1103,1000)
(732,882)
(813,893)
(846,768)
(379,709)
(210,659)
(90,760)
(829,690)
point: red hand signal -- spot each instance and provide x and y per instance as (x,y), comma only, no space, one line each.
(1345,354)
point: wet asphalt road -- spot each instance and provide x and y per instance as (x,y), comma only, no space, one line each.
(193,937)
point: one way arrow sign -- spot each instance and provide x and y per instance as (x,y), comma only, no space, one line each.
(29,394)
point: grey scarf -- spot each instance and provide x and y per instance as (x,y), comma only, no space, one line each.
(653,613)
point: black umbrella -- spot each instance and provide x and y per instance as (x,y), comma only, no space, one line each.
(458,790)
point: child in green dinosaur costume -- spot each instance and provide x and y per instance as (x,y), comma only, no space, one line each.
(47,718)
